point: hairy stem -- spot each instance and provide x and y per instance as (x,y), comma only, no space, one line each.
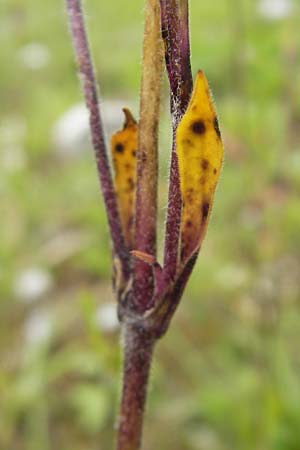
(147,163)
(172,233)
(138,349)
(175,32)
(86,70)
(186,70)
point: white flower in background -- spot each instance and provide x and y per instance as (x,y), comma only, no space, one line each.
(71,131)
(71,135)
(106,317)
(32,284)
(34,56)
(275,9)
(38,327)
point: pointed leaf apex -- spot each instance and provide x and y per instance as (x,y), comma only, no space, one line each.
(129,119)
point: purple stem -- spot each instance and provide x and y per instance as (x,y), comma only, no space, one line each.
(187,77)
(84,61)
(172,233)
(138,349)
(177,292)
(175,33)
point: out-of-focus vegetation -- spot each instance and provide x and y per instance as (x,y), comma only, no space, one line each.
(227,376)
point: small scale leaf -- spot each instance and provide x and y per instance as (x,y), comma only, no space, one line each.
(200,154)
(124,145)
(148,259)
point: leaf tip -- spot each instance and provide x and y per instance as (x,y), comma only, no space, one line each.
(129,119)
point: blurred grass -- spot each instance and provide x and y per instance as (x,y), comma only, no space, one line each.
(227,376)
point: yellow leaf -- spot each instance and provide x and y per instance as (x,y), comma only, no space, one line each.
(200,154)
(124,149)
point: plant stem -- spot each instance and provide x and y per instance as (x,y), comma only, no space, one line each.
(138,349)
(186,70)
(147,162)
(175,32)
(86,70)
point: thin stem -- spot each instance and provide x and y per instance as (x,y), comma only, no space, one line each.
(147,162)
(169,24)
(86,70)
(138,349)
(175,32)
(176,294)
(172,233)
(186,70)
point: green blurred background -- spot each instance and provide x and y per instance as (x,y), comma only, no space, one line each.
(227,375)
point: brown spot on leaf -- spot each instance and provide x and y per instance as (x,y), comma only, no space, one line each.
(133,153)
(216,127)
(215,171)
(187,142)
(119,148)
(198,127)
(130,183)
(189,195)
(205,210)
(204,164)
(189,223)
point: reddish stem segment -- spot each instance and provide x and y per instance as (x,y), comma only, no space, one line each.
(84,61)
(172,233)
(138,349)
(175,33)
(186,70)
